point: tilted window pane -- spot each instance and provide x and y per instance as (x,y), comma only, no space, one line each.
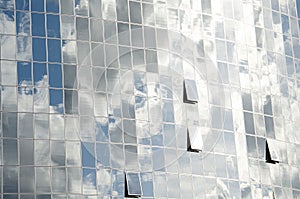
(133,184)
(190,91)
(195,141)
(273,151)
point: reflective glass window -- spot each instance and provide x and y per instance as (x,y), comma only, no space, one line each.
(122,10)
(70,76)
(39,73)
(27,179)
(190,91)
(39,49)
(74,180)
(135,12)
(10,152)
(67,7)
(297,7)
(133,185)
(247,101)
(249,124)
(54,50)
(9,125)
(53,26)
(89,181)
(52,6)
(38,24)
(26,152)
(195,141)
(37,5)
(272,151)
(268,105)
(71,101)
(58,154)
(43,179)
(269,124)
(42,152)
(10,179)
(7,4)
(23,23)
(24,73)
(22,4)
(88,154)
(58,182)
(82,28)
(95,8)
(55,75)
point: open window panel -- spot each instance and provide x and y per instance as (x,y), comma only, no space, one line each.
(194,139)
(190,93)
(132,185)
(272,151)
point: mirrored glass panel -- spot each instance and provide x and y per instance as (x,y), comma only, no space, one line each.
(190,92)
(195,141)
(133,185)
(272,151)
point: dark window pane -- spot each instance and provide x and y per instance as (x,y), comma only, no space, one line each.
(37,5)
(54,51)
(22,4)
(39,73)
(26,152)
(249,124)
(56,97)
(38,24)
(52,6)
(24,73)
(247,101)
(70,75)
(122,10)
(55,75)
(53,27)
(39,49)
(269,123)
(27,179)
(9,125)
(268,105)
(10,152)
(10,180)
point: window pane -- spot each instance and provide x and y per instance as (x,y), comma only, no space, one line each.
(191,93)
(10,152)
(274,149)
(54,50)
(53,27)
(27,179)
(26,152)
(133,184)
(43,179)
(52,6)
(39,49)
(10,179)
(38,24)
(195,138)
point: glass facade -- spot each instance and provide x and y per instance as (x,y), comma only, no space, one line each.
(150,99)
